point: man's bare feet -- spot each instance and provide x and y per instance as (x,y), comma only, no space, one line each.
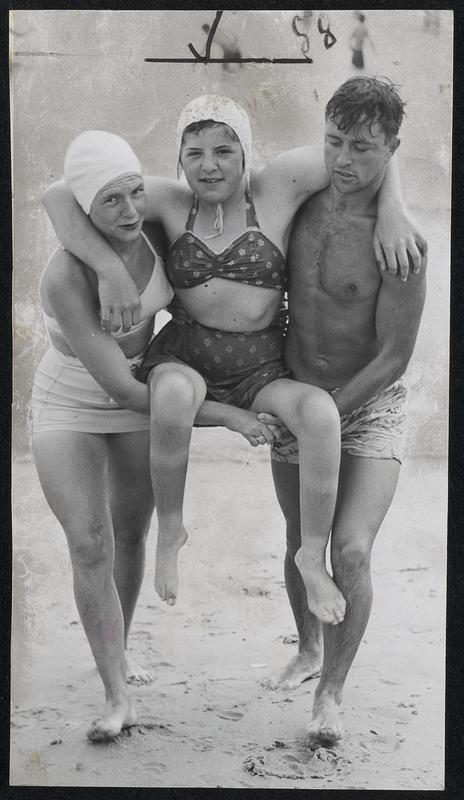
(166,576)
(324,599)
(301,668)
(325,726)
(116,716)
(136,674)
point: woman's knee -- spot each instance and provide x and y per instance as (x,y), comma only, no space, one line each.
(90,543)
(130,532)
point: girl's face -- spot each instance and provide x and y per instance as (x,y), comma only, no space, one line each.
(118,209)
(212,160)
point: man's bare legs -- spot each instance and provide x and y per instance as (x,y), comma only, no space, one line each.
(176,394)
(311,415)
(366,489)
(307,663)
(73,471)
(131,509)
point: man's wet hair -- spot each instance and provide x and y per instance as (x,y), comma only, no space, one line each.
(361,101)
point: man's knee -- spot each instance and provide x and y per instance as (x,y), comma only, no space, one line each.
(352,554)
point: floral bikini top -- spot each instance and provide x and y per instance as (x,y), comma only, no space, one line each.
(251,258)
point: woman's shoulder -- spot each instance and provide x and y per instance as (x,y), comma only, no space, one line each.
(64,272)
(63,266)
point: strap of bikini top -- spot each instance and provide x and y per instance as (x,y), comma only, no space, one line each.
(145,237)
(192,213)
(251,217)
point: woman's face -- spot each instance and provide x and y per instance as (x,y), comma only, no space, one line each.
(118,209)
(212,160)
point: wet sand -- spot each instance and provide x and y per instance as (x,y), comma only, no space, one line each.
(207,721)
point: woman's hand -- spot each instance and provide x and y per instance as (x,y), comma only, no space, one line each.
(247,423)
(398,242)
(120,305)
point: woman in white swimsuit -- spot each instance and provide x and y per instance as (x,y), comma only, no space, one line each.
(91,416)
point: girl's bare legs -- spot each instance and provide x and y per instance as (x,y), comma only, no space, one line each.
(176,394)
(312,416)
(73,472)
(131,509)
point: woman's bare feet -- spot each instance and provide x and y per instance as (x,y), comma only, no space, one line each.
(166,576)
(301,668)
(325,726)
(324,599)
(115,717)
(136,674)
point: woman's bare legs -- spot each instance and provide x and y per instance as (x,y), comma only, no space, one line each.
(132,506)
(73,471)
(176,394)
(312,416)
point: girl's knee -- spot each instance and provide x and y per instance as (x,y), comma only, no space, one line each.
(317,412)
(172,391)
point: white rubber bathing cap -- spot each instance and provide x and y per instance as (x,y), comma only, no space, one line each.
(93,159)
(218,109)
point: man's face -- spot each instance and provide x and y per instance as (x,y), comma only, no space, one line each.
(357,158)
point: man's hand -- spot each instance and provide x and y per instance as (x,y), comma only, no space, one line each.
(278,428)
(119,301)
(399,244)
(255,432)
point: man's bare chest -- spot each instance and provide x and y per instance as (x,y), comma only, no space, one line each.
(334,258)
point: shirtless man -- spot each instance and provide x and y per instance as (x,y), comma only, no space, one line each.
(352,331)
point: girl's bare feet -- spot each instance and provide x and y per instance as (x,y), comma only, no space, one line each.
(324,599)
(166,575)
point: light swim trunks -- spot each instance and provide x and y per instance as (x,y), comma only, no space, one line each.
(376,430)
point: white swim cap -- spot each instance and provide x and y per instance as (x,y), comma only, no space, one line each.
(218,109)
(93,159)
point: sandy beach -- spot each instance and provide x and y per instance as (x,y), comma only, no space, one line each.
(207,720)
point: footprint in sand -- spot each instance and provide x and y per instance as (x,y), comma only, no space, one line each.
(232,715)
